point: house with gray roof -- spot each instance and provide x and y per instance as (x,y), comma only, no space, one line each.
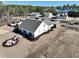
(34,28)
(37,18)
(36,14)
(62,15)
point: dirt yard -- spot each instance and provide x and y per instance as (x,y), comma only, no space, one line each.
(60,42)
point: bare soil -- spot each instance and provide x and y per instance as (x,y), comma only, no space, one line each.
(60,42)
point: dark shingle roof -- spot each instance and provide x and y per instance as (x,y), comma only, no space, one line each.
(48,22)
(30,25)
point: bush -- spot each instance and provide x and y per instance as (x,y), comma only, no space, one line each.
(73,14)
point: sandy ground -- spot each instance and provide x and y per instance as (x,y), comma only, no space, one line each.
(2,31)
(7,28)
(60,42)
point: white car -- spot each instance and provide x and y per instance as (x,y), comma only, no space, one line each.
(13,24)
(11,42)
(19,23)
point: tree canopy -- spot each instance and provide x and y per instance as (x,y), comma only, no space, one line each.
(24,9)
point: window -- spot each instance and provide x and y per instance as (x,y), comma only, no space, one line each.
(43,29)
(42,19)
(24,32)
(61,15)
(44,25)
(30,34)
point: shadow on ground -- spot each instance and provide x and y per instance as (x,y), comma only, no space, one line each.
(16,30)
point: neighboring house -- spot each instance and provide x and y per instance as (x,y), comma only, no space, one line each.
(62,15)
(14,24)
(36,14)
(33,28)
(49,15)
(65,10)
(37,18)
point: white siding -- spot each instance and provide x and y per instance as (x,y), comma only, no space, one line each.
(41,29)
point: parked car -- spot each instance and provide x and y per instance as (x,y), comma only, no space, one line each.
(11,42)
(13,24)
(18,23)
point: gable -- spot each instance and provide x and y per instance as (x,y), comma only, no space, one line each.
(41,29)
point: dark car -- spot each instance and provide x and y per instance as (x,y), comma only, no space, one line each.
(11,42)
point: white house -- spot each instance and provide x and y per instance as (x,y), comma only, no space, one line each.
(34,28)
(49,15)
(36,14)
(62,15)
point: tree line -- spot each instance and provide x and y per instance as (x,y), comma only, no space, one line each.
(22,10)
